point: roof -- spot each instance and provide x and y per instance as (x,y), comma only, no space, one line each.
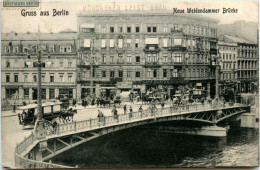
(238,39)
(43,36)
(68,31)
(129,13)
(31,106)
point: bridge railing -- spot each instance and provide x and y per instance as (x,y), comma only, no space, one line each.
(85,125)
(25,162)
(21,162)
(122,118)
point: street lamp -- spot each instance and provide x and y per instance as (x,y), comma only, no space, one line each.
(39,127)
(92,62)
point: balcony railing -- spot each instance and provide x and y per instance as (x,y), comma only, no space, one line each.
(213,50)
(151,49)
(116,79)
(177,48)
(151,64)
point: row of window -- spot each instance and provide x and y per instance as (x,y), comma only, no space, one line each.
(166,42)
(34,64)
(247,47)
(14,93)
(225,56)
(154,29)
(227,76)
(175,57)
(227,48)
(246,74)
(43,78)
(150,58)
(247,65)
(150,73)
(247,55)
(228,66)
(16,49)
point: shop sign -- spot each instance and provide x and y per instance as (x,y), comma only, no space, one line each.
(156,82)
(124,85)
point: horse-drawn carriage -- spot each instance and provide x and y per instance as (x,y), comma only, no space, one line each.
(50,111)
(117,100)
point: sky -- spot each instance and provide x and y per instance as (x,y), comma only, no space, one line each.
(13,20)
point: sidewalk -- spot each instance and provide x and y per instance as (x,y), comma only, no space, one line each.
(9,113)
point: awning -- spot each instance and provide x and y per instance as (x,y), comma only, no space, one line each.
(86,42)
(177,42)
(151,41)
(87,25)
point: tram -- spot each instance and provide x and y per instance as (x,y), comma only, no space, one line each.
(50,111)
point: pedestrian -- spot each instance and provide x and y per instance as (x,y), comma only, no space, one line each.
(14,108)
(54,126)
(83,102)
(74,103)
(115,114)
(141,110)
(100,116)
(98,102)
(162,104)
(202,101)
(131,112)
(167,97)
(125,109)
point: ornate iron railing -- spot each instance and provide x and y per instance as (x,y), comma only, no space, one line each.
(85,125)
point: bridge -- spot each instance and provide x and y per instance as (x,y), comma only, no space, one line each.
(36,151)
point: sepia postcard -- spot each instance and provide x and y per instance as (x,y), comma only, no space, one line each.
(129,84)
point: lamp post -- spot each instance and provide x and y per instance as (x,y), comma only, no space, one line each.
(39,127)
(92,62)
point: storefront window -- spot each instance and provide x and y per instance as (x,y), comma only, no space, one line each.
(51,94)
(11,94)
(66,93)
(26,93)
(43,93)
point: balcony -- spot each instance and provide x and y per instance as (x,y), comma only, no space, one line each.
(213,51)
(207,77)
(83,49)
(152,49)
(151,64)
(116,79)
(177,48)
(179,78)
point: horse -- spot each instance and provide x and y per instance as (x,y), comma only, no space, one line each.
(67,115)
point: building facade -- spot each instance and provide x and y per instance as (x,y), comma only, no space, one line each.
(143,51)
(247,63)
(19,65)
(228,68)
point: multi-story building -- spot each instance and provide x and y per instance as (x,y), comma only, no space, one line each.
(247,63)
(139,51)
(19,72)
(228,68)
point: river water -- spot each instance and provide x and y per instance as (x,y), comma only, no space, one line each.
(140,148)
